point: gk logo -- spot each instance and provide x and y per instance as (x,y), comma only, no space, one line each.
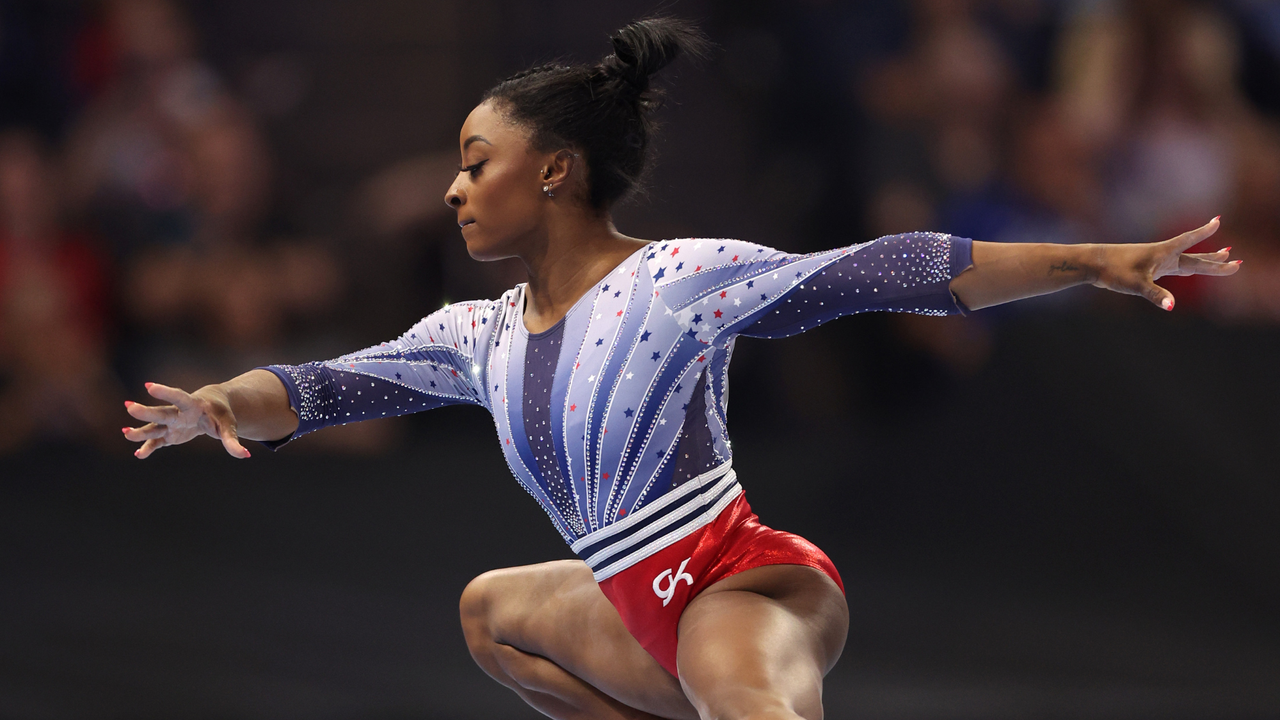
(670,591)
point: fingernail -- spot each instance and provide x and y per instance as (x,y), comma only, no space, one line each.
(1167,303)
(129,403)
(124,430)
(147,385)
(1215,217)
(1236,262)
(137,453)
(247,455)
(1226,249)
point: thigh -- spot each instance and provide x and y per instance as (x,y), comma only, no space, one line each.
(762,641)
(557,611)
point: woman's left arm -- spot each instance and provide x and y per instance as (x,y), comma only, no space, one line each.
(1004,272)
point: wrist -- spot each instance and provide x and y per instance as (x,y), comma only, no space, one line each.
(1091,258)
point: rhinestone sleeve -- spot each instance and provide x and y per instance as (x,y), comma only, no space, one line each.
(440,361)
(908,273)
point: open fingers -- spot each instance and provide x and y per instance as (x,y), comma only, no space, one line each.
(1198,265)
(149,447)
(159,414)
(1189,239)
(175,396)
(146,432)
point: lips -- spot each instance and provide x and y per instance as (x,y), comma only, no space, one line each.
(464,223)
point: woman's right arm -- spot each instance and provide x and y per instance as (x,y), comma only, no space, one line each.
(254,405)
(441,360)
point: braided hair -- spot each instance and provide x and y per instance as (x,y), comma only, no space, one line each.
(604,110)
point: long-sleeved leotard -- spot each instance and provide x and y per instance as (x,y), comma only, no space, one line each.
(615,418)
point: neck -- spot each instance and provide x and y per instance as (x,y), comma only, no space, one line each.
(575,254)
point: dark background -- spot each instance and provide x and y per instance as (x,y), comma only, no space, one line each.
(1063,508)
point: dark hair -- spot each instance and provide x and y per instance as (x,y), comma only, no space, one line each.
(601,110)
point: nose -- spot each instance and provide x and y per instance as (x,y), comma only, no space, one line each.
(453,198)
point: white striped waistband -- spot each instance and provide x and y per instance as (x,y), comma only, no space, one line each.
(669,519)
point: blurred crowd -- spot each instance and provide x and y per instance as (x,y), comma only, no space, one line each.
(142,237)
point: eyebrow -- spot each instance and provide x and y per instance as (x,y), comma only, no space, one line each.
(474,138)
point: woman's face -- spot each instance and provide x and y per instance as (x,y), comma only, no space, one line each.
(498,191)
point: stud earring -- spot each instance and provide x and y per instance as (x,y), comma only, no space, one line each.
(547,189)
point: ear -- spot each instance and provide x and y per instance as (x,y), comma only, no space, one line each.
(561,168)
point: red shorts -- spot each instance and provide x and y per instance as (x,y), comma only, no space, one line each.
(652,594)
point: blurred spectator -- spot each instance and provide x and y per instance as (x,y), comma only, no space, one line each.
(54,324)
(176,172)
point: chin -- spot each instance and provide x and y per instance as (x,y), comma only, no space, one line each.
(483,246)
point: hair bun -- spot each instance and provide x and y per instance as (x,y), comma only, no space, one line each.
(644,47)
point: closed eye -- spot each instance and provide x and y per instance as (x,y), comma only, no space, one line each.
(474,169)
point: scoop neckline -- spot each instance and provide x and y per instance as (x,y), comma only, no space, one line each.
(519,323)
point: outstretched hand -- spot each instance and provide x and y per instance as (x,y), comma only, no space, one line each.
(188,415)
(1133,269)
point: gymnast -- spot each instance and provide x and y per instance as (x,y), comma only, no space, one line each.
(607,377)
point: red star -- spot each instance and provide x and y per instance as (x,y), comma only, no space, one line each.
(577,365)
(735,259)
(605,476)
(513,304)
(455,373)
(606,431)
(473,323)
(722,294)
(619,313)
(573,407)
(351,364)
(674,251)
(622,512)
(701,358)
(718,313)
(508,441)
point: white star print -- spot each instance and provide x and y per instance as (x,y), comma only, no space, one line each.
(630,375)
(737,301)
(663,421)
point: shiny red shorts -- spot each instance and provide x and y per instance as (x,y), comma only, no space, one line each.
(652,594)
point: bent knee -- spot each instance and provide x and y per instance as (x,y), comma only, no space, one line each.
(477,604)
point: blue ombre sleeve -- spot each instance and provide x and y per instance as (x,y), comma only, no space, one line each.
(723,288)
(440,361)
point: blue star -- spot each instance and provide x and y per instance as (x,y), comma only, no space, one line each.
(763,296)
(433,383)
(484,321)
(616,293)
(464,339)
(685,406)
(605,288)
(397,376)
(697,318)
(661,271)
(660,453)
(645,336)
(656,355)
(760,250)
(441,326)
(721,249)
(797,274)
(680,266)
(678,387)
(692,333)
(649,257)
(751,284)
(413,335)
(628,412)
(599,342)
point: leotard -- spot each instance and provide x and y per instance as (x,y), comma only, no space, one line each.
(615,418)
